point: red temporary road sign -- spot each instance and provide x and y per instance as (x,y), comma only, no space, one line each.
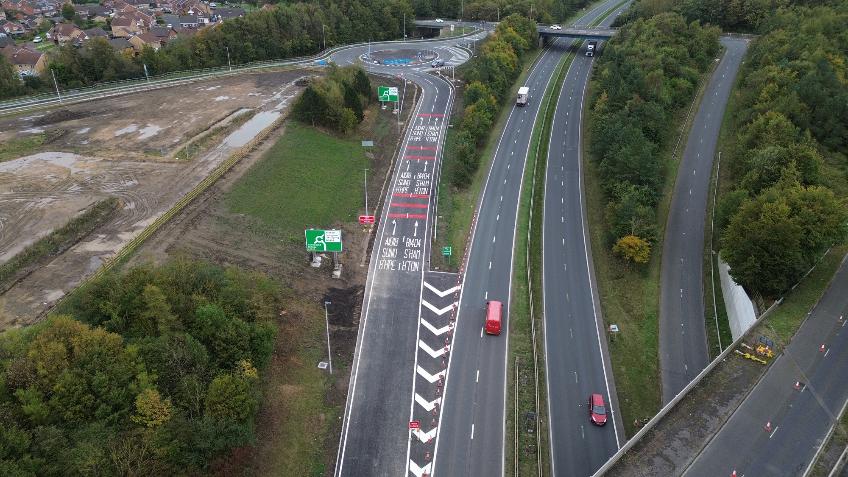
(415,424)
(366,219)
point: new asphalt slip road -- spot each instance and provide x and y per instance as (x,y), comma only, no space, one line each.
(375,434)
(683,341)
(799,418)
(577,362)
(470,441)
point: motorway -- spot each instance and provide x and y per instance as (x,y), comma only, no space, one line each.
(387,368)
(683,342)
(576,356)
(470,440)
(798,419)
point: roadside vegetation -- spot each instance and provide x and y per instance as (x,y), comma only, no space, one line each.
(151,372)
(544,11)
(635,94)
(337,100)
(56,242)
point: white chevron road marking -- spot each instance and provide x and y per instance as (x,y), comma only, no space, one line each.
(427,405)
(433,329)
(433,353)
(441,294)
(425,436)
(438,311)
(419,471)
(432,378)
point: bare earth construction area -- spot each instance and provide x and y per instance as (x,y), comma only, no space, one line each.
(127,147)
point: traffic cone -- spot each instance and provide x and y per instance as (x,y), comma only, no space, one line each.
(797,385)
(768,426)
(821,348)
(733,474)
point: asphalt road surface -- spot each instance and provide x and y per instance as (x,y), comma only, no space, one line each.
(577,361)
(470,440)
(778,429)
(683,341)
(375,437)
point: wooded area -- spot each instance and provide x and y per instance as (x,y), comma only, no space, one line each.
(647,74)
(788,162)
(490,75)
(152,372)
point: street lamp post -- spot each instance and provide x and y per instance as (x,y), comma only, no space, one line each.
(323,36)
(327,322)
(229,65)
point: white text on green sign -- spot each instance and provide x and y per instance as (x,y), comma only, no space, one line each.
(318,240)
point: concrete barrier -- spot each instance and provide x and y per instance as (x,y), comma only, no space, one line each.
(739,307)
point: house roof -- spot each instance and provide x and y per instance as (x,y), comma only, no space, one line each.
(122,21)
(96,32)
(227,13)
(22,56)
(66,29)
(120,43)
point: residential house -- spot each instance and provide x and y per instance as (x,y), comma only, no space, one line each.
(124,26)
(2,14)
(99,13)
(122,45)
(222,14)
(145,39)
(25,61)
(96,32)
(6,40)
(12,28)
(62,33)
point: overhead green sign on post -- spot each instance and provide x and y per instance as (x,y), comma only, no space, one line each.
(318,240)
(387,93)
(447,251)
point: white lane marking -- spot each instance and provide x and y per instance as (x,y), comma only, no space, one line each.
(433,329)
(490,264)
(427,405)
(493,238)
(425,436)
(438,311)
(472,431)
(434,353)
(477,379)
(419,471)
(431,378)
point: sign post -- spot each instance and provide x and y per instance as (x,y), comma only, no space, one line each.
(318,240)
(447,251)
(387,93)
(415,424)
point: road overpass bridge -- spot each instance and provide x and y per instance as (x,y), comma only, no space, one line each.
(546,32)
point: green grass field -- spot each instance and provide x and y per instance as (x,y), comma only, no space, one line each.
(308,179)
(15,148)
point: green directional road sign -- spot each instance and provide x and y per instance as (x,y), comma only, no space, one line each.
(318,240)
(387,93)
(447,251)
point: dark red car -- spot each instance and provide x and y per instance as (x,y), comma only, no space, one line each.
(597,410)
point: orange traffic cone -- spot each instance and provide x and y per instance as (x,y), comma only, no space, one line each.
(768,426)
(821,348)
(797,385)
(733,474)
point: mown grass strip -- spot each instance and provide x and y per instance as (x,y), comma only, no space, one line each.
(56,242)
(20,147)
(526,312)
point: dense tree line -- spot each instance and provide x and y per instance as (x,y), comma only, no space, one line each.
(490,75)
(286,31)
(544,11)
(791,141)
(153,372)
(648,73)
(336,101)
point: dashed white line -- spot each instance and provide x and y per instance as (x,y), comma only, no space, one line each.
(477,380)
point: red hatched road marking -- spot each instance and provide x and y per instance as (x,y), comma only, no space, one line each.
(431,115)
(426,158)
(409,205)
(407,216)
(410,196)
(421,148)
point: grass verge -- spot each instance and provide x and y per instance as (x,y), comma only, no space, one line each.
(526,309)
(288,193)
(15,148)
(56,242)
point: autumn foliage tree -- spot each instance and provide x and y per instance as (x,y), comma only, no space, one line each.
(632,249)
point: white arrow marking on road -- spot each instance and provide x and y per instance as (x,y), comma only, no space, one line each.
(394,227)
(427,405)
(433,353)
(415,232)
(425,436)
(419,471)
(432,378)
(438,311)
(441,294)
(433,329)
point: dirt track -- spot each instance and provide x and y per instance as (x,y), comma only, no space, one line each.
(122,147)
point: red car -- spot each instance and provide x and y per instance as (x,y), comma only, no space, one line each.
(597,410)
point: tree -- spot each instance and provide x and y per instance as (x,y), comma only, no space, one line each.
(68,11)
(151,410)
(10,82)
(632,249)
(231,398)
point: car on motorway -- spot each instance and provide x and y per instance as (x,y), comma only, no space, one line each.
(556,27)
(437,63)
(439,20)
(493,317)
(597,410)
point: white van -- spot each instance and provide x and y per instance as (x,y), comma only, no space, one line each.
(523,96)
